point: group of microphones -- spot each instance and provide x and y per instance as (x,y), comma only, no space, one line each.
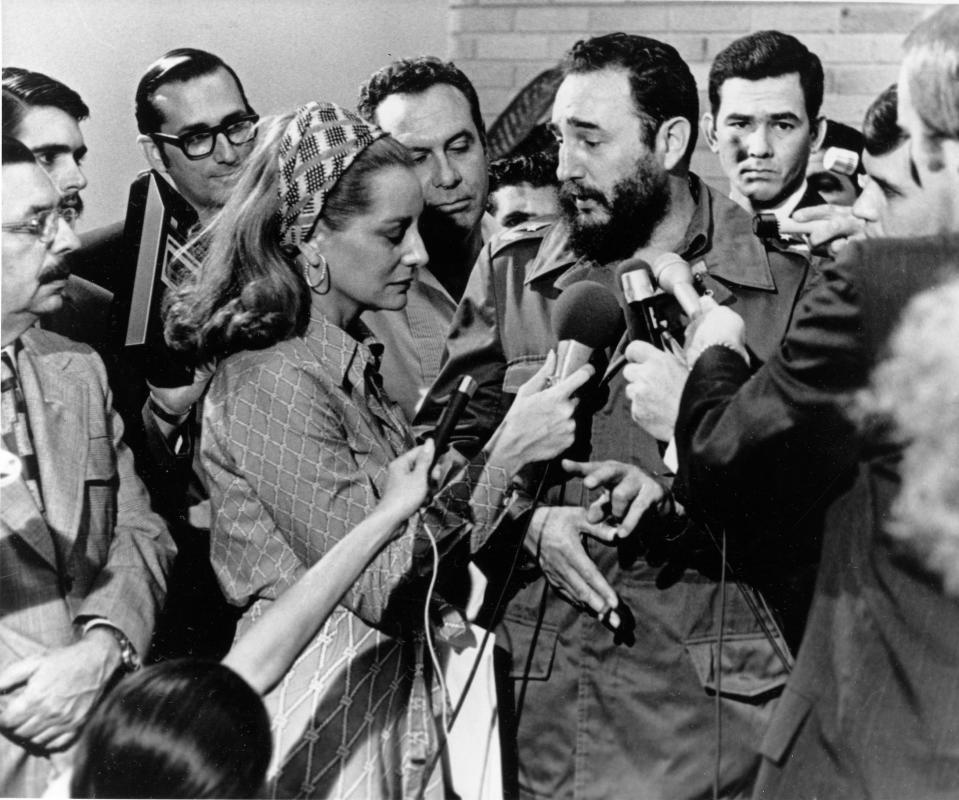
(659,298)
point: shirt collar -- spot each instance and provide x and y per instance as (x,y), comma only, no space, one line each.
(337,352)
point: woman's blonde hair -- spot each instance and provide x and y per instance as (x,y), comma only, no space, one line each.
(249,292)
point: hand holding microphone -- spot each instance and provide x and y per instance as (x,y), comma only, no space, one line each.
(717,325)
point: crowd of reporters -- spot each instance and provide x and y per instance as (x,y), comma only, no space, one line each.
(702,481)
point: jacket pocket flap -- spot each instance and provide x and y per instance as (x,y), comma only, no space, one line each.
(531,646)
(520,371)
(748,667)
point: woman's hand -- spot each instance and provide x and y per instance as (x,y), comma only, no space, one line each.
(539,425)
(406,483)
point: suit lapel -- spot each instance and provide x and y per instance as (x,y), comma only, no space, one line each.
(56,404)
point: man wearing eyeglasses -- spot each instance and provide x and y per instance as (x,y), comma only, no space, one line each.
(196,125)
(196,128)
(84,559)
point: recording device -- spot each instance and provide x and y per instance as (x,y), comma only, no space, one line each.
(586,318)
(651,316)
(158,224)
(459,399)
(766,225)
(840,160)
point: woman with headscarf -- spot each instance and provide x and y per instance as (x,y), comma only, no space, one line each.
(298,434)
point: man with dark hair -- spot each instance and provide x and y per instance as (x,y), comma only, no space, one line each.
(431,107)
(196,125)
(870,708)
(596,717)
(522,188)
(892,203)
(84,559)
(45,115)
(765,92)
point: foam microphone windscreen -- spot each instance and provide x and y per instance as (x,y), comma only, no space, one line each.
(586,317)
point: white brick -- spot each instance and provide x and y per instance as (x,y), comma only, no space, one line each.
(709,17)
(795,18)
(519,46)
(552,19)
(473,20)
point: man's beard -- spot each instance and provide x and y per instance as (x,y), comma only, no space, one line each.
(638,204)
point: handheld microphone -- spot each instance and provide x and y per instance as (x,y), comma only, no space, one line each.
(586,318)
(459,399)
(674,276)
(648,315)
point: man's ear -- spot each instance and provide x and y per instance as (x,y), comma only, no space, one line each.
(818,133)
(672,139)
(152,153)
(708,126)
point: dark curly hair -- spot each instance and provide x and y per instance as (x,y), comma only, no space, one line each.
(661,84)
(414,76)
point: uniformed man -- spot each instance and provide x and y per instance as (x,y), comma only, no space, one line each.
(597,719)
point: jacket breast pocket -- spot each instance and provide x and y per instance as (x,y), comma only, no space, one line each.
(747,667)
(519,371)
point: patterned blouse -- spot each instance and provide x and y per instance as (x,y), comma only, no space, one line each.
(296,443)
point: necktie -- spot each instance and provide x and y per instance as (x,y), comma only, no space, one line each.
(16,428)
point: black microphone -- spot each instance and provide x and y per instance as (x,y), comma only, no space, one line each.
(650,315)
(586,318)
(459,398)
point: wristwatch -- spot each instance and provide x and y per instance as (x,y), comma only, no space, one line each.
(129,660)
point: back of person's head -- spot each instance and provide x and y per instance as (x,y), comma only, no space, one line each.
(661,84)
(768,54)
(415,76)
(908,398)
(176,66)
(183,728)
(536,169)
(880,127)
(16,152)
(931,65)
(36,89)
(841,135)
(251,293)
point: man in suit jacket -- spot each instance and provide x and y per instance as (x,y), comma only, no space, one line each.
(84,560)
(872,705)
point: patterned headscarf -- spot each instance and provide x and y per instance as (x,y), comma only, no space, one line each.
(318,146)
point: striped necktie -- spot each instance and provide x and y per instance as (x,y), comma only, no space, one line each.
(16,428)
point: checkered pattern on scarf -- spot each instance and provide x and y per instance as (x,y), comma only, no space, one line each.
(317,147)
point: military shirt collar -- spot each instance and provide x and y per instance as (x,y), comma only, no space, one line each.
(735,254)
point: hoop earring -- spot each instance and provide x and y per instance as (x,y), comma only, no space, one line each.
(324,278)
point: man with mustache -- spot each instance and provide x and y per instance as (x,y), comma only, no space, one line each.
(430,106)
(765,92)
(45,115)
(596,717)
(84,559)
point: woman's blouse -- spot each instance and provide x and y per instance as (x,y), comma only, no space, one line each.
(296,442)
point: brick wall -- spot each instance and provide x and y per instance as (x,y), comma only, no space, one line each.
(502,44)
